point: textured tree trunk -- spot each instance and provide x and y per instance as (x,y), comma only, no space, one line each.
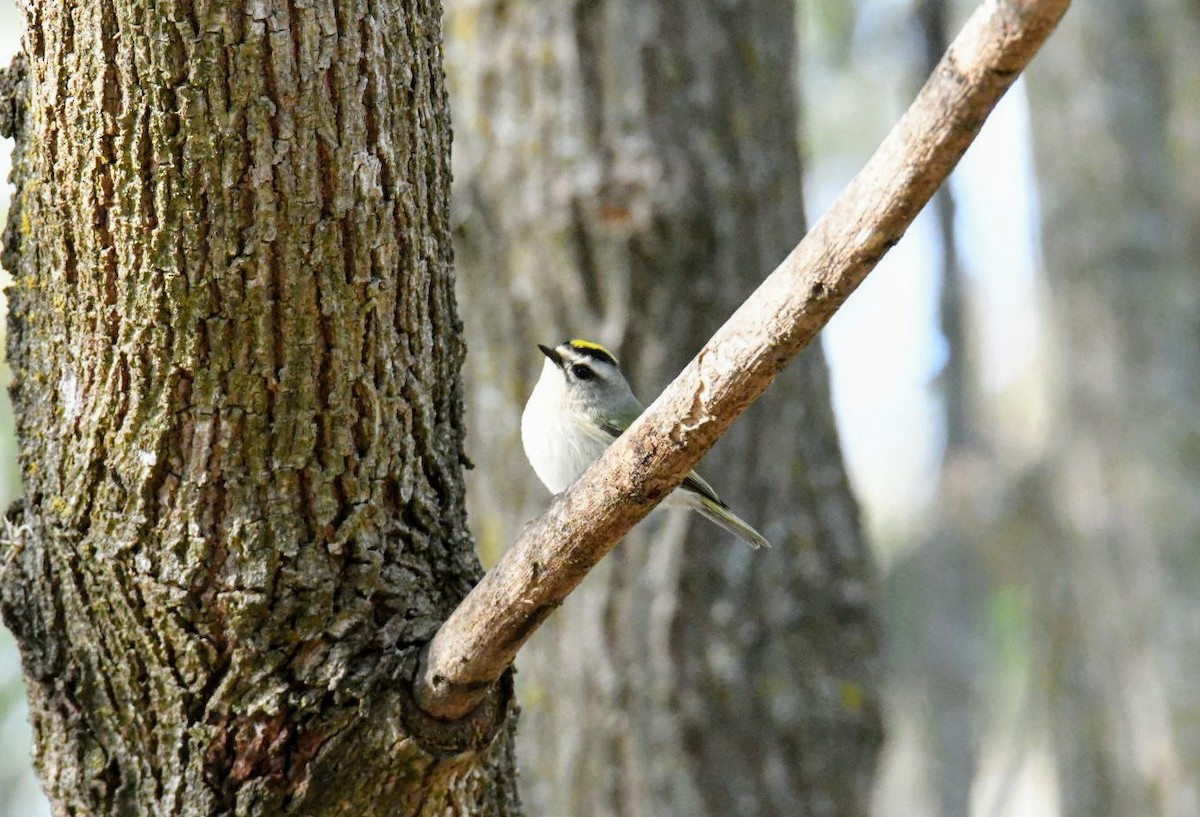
(628,172)
(1120,241)
(237,390)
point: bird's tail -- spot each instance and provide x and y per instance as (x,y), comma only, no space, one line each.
(719,513)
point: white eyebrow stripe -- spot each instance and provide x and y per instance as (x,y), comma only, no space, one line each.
(572,357)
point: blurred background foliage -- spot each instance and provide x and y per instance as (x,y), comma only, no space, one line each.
(1017,392)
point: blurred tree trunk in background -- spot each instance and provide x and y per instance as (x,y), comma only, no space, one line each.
(1114,113)
(236,381)
(628,172)
(935,593)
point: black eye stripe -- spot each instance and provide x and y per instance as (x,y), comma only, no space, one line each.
(582,371)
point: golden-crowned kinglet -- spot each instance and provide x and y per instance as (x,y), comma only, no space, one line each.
(580,404)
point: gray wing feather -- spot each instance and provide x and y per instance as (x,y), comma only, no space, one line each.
(693,482)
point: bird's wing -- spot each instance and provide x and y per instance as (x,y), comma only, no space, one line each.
(615,426)
(698,484)
(605,430)
(612,429)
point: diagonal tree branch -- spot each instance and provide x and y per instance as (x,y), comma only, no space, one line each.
(480,639)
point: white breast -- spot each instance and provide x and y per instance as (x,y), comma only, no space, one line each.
(558,447)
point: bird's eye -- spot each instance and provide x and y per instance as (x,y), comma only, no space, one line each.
(582,372)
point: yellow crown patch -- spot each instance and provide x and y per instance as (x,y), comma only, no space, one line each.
(586,347)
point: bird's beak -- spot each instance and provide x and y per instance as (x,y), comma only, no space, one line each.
(551,353)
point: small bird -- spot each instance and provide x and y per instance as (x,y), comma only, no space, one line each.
(581,403)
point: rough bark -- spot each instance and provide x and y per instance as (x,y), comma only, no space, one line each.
(1123,477)
(236,360)
(632,182)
